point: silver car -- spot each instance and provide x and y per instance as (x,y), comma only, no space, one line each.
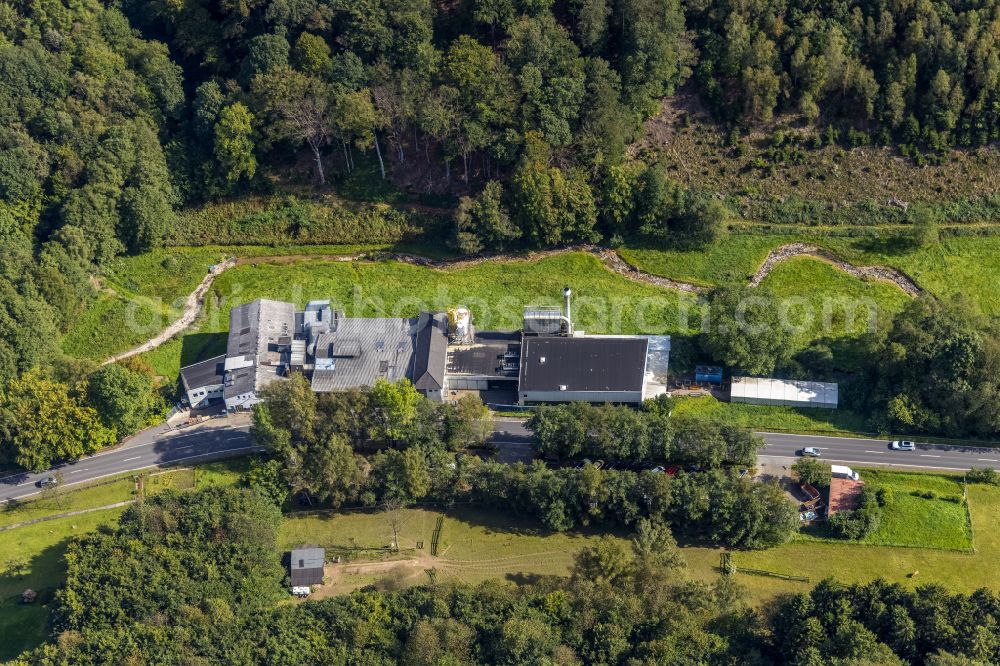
(902,445)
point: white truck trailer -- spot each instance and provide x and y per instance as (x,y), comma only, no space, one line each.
(844,472)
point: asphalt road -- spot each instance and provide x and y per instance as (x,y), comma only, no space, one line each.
(869,452)
(161,446)
(155,447)
(513,440)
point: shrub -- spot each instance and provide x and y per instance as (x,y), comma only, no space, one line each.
(884,495)
(860,522)
(983,475)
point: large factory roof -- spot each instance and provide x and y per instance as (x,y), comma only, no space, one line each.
(592,363)
(258,331)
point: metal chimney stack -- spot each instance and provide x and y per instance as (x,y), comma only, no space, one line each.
(567,292)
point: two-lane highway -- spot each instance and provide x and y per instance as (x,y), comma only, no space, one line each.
(161,446)
(868,452)
(155,447)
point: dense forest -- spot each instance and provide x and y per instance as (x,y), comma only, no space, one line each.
(113,117)
(211,573)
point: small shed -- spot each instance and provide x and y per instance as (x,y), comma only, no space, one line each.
(306,567)
(708,374)
(789,392)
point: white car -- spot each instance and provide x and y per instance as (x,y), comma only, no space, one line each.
(902,445)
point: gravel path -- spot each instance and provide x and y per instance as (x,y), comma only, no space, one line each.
(611,259)
(78,512)
(880,273)
(192,306)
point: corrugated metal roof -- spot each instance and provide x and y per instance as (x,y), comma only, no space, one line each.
(256,330)
(591,363)
(372,348)
(306,566)
(431,353)
(209,372)
(784,391)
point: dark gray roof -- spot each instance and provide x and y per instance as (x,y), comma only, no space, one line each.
(430,355)
(361,350)
(593,363)
(486,355)
(209,372)
(306,566)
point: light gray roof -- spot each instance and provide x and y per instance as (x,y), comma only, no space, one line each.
(306,566)
(361,350)
(260,332)
(308,558)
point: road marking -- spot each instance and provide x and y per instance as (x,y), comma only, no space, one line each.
(76,471)
(987,460)
(796,435)
(129,459)
(928,455)
(873,452)
(873,462)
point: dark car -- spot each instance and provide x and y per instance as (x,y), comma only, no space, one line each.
(47,482)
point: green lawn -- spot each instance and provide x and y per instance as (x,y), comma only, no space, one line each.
(766,417)
(39,548)
(732,260)
(475,544)
(937,522)
(142,294)
(820,302)
(69,499)
(918,521)
(962,264)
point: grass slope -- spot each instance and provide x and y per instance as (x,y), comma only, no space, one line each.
(497,293)
(957,265)
(766,417)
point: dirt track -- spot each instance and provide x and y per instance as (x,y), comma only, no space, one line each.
(611,259)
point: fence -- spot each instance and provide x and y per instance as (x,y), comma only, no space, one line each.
(436,536)
(727,566)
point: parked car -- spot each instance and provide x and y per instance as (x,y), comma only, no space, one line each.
(902,445)
(47,482)
(809,452)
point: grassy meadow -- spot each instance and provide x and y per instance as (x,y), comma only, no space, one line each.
(957,265)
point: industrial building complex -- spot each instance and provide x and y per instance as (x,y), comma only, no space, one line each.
(442,353)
